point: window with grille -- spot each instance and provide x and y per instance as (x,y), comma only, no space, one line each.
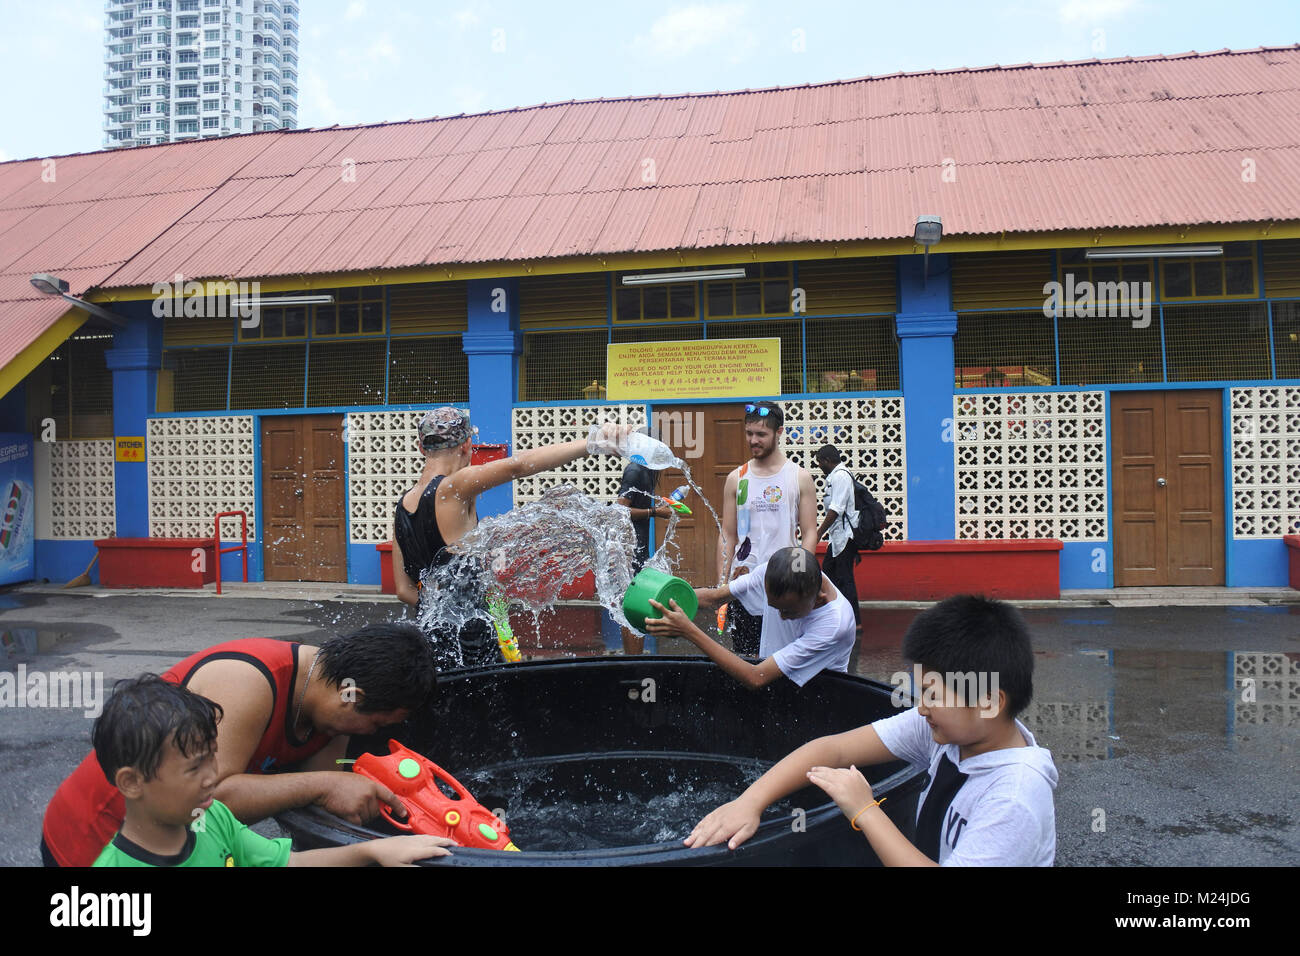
(562,366)
(765,290)
(74,387)
(650,303)
(345,373)
(356,311)
(1286,338)
(1000,349)
(1229,275)
(1205,343)
(268,376)
(789,332)
(431,371)
(193,380)
(1097,351)
(852,355)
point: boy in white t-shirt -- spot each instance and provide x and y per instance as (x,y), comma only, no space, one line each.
(989,800)
(808,626)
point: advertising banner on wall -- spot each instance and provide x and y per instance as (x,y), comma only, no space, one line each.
(18,517)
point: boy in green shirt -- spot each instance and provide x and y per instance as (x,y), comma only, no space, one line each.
(156,742)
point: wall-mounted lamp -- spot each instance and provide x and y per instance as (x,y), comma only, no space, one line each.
(53,285)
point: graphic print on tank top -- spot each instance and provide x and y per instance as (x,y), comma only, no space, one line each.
(766,508)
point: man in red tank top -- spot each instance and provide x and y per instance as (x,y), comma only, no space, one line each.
(287,707)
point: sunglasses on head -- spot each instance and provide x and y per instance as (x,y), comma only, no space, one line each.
(762,411)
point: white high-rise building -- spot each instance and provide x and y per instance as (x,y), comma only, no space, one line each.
(184,69)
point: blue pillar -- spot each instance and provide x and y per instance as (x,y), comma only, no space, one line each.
(134,360)
(926,326)
(493,343)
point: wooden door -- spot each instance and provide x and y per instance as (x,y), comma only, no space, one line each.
(1167,476)
(715,435)
(304,524)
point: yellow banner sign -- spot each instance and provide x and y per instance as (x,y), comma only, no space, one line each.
(703,368)
(130,449)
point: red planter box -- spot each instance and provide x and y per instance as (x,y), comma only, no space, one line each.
(933,570)
(155,562)
(1292,542)
(386,583)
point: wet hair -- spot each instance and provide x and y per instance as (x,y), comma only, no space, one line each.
(974,634)
(829,454)
(774,418)
(393,665)
(640,478)
(142,716)
(787,572)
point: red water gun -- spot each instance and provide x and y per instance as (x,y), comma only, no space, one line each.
(414,779)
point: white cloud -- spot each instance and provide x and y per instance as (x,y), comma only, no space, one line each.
(381,48)
(4,156)
(466,18)
(318,107)
(355,11)
(1090,11)
(681,31)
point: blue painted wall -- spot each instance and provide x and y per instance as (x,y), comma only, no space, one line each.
(134,359)
(1257,563)
(60,561)
(926,325)
(493,344)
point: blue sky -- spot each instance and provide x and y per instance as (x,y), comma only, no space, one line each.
(365,61)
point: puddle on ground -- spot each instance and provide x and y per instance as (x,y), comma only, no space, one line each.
(25,643)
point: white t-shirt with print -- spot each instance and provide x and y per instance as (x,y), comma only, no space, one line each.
(821,640)
(1003,815)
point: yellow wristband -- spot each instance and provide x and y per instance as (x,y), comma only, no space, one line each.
(854,822)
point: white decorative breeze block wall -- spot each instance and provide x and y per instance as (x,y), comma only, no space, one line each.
(1265,461)
(198,467)
(594,475)
(1031,465)
(1071,730)
(1276,679)
(81,489)
(384,460)
(869,434)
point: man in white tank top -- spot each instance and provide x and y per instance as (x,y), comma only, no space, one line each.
(763,503)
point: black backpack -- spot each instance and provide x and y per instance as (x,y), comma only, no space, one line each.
(869,534)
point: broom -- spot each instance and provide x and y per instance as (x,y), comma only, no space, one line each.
(83,579)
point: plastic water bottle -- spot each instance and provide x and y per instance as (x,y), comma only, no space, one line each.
(644,450)
(680,494)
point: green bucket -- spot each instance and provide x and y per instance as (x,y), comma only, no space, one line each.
(649,584)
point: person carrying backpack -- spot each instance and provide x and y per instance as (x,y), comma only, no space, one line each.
(842,519)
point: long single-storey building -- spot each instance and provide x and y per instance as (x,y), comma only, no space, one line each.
(1091,335)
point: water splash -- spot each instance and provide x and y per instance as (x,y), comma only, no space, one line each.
(530,553)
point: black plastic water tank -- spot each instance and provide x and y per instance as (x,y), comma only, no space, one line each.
(633,729)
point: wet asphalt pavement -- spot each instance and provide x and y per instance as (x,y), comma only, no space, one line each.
(1173,728)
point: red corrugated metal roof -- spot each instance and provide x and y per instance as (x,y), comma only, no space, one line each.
(1122,143)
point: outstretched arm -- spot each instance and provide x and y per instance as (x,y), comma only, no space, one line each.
(673,622)
(735,822)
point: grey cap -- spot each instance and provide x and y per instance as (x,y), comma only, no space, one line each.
(445,427)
